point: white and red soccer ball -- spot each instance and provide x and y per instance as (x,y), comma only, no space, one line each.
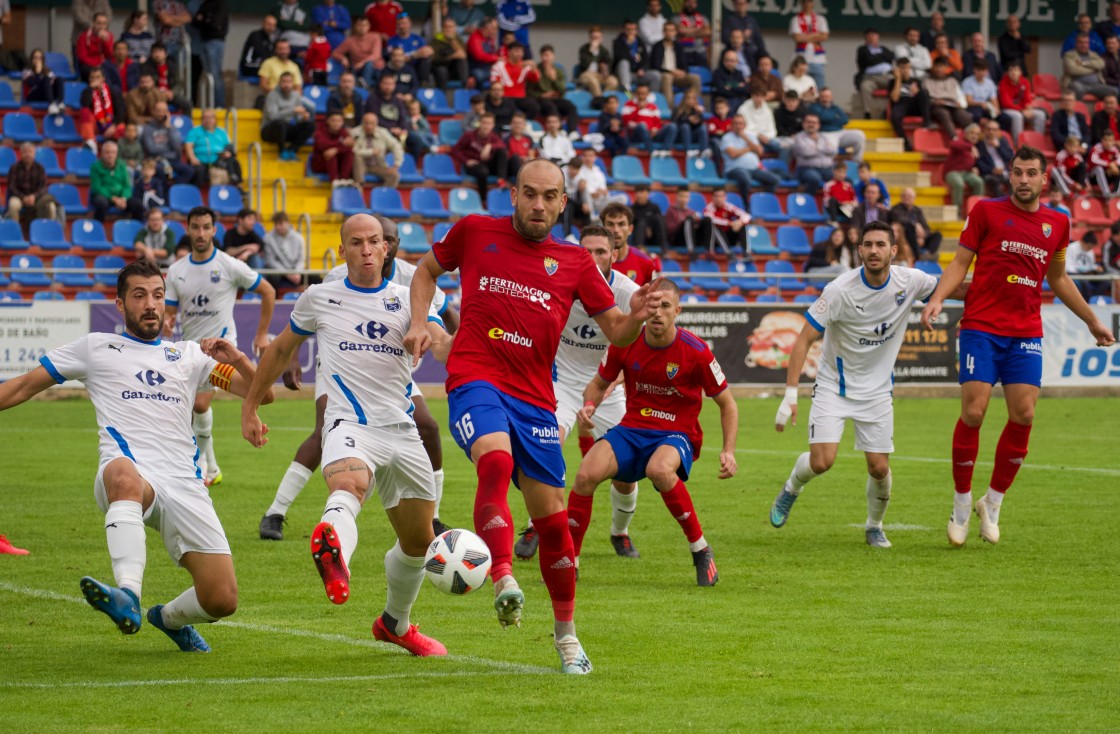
(457,562)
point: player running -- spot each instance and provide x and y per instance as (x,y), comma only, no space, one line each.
(310,452)
(518,287)
(862,315)
(142,389)
(667,371)
(581,349)
(1015,243)
(201,291)
(371,443)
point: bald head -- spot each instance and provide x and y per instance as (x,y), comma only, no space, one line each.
(542,170)
(360,221)
(364,249)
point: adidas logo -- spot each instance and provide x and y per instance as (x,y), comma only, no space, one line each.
(966,463)
(563,563)
(684,517)
(572,522)
(495,523)
(1017,461)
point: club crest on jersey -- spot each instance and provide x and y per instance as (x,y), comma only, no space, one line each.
(671,369)
(1046,230)
(215,276)
(172,354)
(393,303)
(899,298)
(551,265)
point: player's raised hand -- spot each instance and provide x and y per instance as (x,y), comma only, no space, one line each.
(584,416)
(787,411)
(727,464)
(417,341)
(252,429)
(293,378)
(222,350)
(929,313)
(260,343)
(644,301)
(1102,334)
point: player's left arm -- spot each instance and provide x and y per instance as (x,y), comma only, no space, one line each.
(234,371)
(274,360)
(1067,292)
(593,396)
(441,341)
(169,314)
(951,281)
(729,422)
(20,389)
(621,329)
(268,304)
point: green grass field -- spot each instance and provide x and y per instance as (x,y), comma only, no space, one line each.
(808,629)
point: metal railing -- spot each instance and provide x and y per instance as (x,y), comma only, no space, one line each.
(231,130)
(184,80)
(303,226)
(253,175)
(280,196)
(206,90)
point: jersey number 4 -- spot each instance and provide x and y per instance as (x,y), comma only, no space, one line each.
(970,363)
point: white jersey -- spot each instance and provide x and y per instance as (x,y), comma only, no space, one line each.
(143,393)
(204,292)
(582,342)
(863,328)
(360,334)
(401,275)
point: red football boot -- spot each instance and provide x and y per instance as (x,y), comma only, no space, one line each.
(327,554)
(6,547)
(416,643)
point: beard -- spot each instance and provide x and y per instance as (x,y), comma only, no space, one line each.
(143,329)
(535,231)
(1029,198)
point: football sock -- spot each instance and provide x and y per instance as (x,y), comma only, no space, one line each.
(295,479)
(966,444)
(403,575)
(204,434)
(1010,452)
(962,507)
(585,444)
(801,475)
(492,519)
(342,512)
(622,510)
(994,499)
(438,476)
(183,610)
(128,551)
(579,517)
(557,565)
(680,506)
(878,496)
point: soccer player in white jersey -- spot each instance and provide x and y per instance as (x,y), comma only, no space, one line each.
(862,315)
(310,452)
(582,346)
(371,442)
(142,389)
(201,291)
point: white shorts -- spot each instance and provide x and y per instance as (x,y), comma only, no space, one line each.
(320,380)
(569,401)
(394,454)
(182,513)
(873,420)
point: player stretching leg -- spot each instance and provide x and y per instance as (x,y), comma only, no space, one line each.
(371,443)
(862,315)
(309,453)
(6,548)
(518,287)
(581,349)
(142,390)
(201,291)
(1015,243)
(667,372)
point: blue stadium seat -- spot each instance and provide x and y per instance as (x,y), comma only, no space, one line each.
(434,102)
(334,73)
(705,75)
(59,63)
(68,196)
(628,170)
(426,203)
(766,207)
(439,167)
(1101,301)
(71,280)
(318,96)
(730,298)
(661,199)
(702,171)
(768,298)
(61,129)
(781,267)
(10,296)
(447,282)
(440,231)
(182,123)
(792,239)
(582,100)
(928,266)
(387,202)
(803,208)
(697,271)
(7,99)
(758,241)
(250,296)
(107,262)
(47,234)
(463,201)
(11,236)
(558,233)
(697,202)
(7,160)
(47,295)
(89,234)
(184,197)
(450,130)
(348,200)
(413,239)
(177,229)
(291,296)
(226,200)
(78,160)
(21,264)
(662,105)
(666,172)
(72,94)
(219,232)
(805,298)
(48,158)
(745,267)
(822,232)
(671,269)
(498,202)
(778,166)
(692,298)
(93,295)
(409,173)
(461,100)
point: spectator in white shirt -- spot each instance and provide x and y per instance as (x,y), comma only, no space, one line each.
(591,184)
(555,145)
(650,25)
(920,60)
(284,249)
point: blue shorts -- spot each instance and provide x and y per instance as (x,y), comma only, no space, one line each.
(478,408)
(633,448)
(990,358)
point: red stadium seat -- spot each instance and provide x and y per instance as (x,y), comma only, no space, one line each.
(930,142)
(1038,140)
(970,202)
(1088,211)
(1044,106)
(1081,107)
(1114,210)
(1047,87)
(1076,233)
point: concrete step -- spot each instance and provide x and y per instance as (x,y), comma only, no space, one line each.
(940,213)
(873,129)
(932,196)
(893,162)
(886,145)
(913,179)
(948,228)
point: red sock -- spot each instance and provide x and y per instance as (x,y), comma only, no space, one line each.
(492,519)
(585,444)
(1010,452)
(557,563)
(579,517)
(679,502)
(966,445)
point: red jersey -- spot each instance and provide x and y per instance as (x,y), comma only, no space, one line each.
(637,266)
(514,80)
(718,126)
(664,384)
(841,191)
(383,17)
(317,55)
(521,145)
(1013,252)
(517,294)
(634,112)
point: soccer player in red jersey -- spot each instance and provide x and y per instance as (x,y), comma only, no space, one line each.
(667,371)
(618,219)
(518,286)
(1015,243)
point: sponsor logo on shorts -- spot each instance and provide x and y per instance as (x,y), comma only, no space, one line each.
(1022,280)
(513,289)
(499,334)
(1018,248)
(546,434)
(660,414)
(1031,347)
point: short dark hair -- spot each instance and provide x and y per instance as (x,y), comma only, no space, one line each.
(983,64)
(246,212)
(201,211)
(1090,237)
(878,226)
(514,45)
(159,45)
(1012,62)
(616,209)
(790,94)
(139,268)
(547,47)
(1028,153)
(664,284)
(594,230)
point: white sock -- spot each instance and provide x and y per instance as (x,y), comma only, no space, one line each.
(563,629)
(994,499)
(438,476)
(622,510)
(295,479)
(699,545)
(403,575)
(801,475)
(962,507)
(342,512)
(183,610)
(204,434)
(128,550)
(878,496)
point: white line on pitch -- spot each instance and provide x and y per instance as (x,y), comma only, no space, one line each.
(933,460)
(892,526)
(295,632)
(248,681)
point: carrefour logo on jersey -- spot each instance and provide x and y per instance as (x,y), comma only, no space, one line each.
(512,337)
(651,413)
(372,329)
(1022,280)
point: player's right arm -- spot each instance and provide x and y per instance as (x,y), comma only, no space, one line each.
(19,390)
(951,280)
(787,411)
(420,294)
(273,362)
(593,396)
(169,314)
(1067,293)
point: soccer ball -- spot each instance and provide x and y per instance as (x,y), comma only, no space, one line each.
(457,562)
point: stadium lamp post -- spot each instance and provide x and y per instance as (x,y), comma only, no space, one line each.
(717,21)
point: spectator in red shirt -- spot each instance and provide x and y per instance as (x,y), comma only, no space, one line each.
(482,154)
(960,168)
(94,46)
(482,51)
(729,222)
(333,151)
(1104,165)
(315,60)
(1015,98)
(839,195)
(1068,171)
(520,146)
(514,73)
(695,32)
(382,16)
(644,124)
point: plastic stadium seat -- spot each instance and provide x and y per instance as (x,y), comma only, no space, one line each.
(1101,301)
(448,282)
(768,298)
(440,231)
(671,269)
(930,142)
(767,208)
(23,263)
(72,94)
(661,199)
(805,298)
(822,232)
(78,161)
(318,96)
(387,202)
(464,201)
(250,296)
(778,166)
(450,130)
(59,63)
(697,202)
(662,105)
(759,242)
(409,173)
(177,229)
(8,158)
(461,100)
(781,267)
(792,239)
(440,167)
(48,235)
(71,280)
(413,239)
(93,295)
(89,234)
(291,296)
(47,296)
(308,173)
(928,266)
(1113,207)
(1047,87)
(744,267)
(7,99)
(61,129)
(712,282)
(107,262)
(184,197)
(666,172)
(705,75)
(692,298)
(498,202)
(10,296)
(582,100)
(627,169)
(226,200)
(20,127)
(434,102)
(182,123)
(219,232)
(703,172)
(348,200)
(1042,141)
(426,203)
(730,298)
(11,236)
(803,208)
(1088,210)
(48,158)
